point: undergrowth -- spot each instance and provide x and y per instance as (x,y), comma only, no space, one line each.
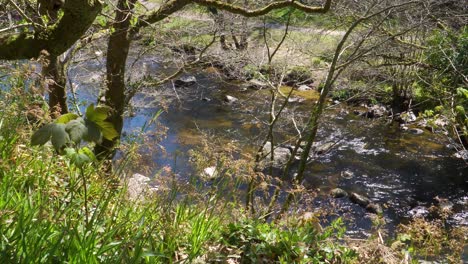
(46,216)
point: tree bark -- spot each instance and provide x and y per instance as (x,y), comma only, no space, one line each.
(78,15)
(117,52)
(54,75)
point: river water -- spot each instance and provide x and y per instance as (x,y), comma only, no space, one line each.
(372,157)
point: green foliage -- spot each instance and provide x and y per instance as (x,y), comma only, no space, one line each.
(445,81)
(70,129)
(287,244)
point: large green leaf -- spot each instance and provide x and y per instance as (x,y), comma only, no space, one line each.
(64,119)
(41,136)
(59,136)
(107,129)
(97,114)
(77,130)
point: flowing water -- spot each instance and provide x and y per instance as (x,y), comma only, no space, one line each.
(394,168)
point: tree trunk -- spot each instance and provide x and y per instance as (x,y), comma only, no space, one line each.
(117,52)
(53,73)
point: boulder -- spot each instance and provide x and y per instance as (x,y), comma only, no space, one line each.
(338,193)
(359,199)
(185,81)
(138,186)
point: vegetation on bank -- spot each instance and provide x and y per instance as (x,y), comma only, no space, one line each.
(55,209)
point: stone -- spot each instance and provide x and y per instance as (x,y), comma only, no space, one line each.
(462,154)
(408,117)
(304,87)
(444,204)
(323,148)
(347,174)
(418,212)
(256,84)
(374,208)
(185,81)
(376,111)
(138,186)
(230,99)
(338,193)
(415,131)
(359,199)
(295,100)
(210,173)
(281,155)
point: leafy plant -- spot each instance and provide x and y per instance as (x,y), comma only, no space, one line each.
(70,129)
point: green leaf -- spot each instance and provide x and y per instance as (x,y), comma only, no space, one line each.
(108,130)
(77,130)
(97,114)
(59,136)
(462,92)
(80,158)
(41,136)
(94,133)
(86,151)
(63,119)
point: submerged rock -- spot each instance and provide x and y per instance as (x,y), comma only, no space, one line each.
(185,81)
(359,199)
(338,193)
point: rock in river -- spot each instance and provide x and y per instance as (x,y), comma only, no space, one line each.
(230,99)
(185,81)
(338,193)
(280,154)
(359,199)
(374,208)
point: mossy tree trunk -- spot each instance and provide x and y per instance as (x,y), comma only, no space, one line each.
(52,40)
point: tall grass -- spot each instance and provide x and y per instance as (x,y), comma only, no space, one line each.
(46,217)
